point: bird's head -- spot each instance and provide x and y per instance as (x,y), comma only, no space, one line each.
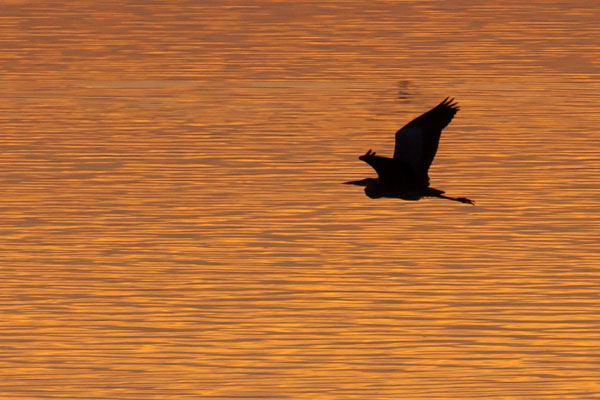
(373,191)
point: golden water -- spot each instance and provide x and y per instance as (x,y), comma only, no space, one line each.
(174,225)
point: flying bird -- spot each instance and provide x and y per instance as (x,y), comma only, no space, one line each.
(406,175)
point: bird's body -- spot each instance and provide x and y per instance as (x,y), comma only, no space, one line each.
(406,175)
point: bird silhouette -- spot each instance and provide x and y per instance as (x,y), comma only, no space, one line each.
(406,176)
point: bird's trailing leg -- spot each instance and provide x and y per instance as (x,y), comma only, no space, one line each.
(459,199)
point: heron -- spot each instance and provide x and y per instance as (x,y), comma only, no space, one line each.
(406,175)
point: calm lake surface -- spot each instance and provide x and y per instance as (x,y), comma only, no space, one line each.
(173,223)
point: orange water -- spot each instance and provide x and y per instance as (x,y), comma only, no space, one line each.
(174,224)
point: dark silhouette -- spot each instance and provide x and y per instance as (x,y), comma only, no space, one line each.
(406,175)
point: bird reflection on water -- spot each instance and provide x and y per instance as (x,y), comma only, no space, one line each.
(405,176)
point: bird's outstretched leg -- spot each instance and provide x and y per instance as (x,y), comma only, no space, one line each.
(465,200)
(459,199)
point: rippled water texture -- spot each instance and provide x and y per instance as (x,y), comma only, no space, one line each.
(173,223)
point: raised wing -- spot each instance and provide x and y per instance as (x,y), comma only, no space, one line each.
(384,166)
(393,173)
(417,142)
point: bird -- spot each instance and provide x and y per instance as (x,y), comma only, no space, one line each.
(406,175)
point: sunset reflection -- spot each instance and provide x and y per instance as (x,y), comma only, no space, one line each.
(175,227)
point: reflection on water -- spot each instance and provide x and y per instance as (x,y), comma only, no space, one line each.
(173,224)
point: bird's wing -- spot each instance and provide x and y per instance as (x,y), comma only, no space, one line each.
(384,166)
(417,142)
(391,171)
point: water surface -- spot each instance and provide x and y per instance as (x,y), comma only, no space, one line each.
(174,224)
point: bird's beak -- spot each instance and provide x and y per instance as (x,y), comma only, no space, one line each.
(362,182)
